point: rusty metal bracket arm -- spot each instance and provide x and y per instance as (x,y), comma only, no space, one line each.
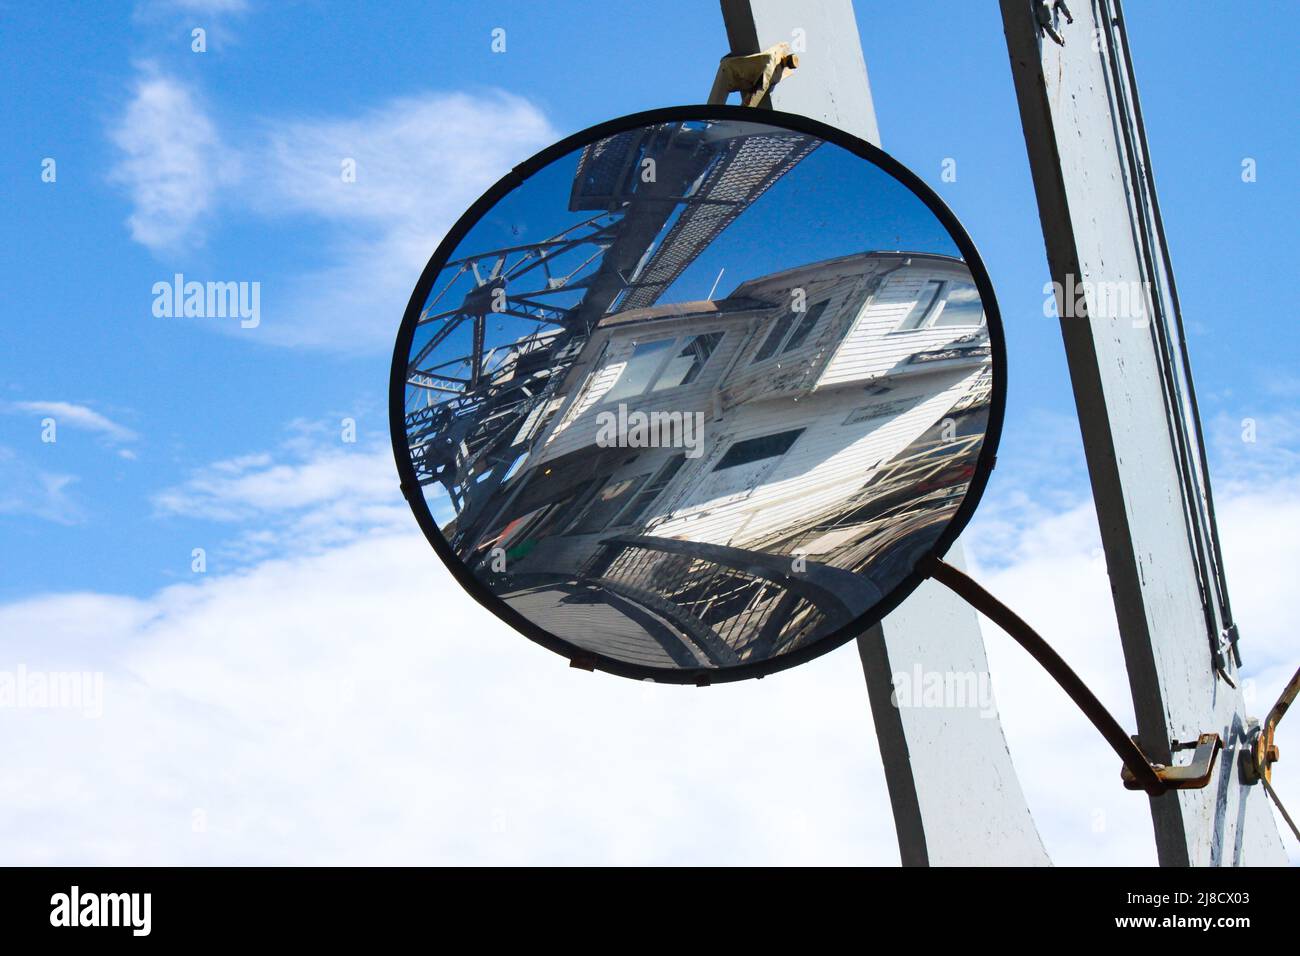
(1191,776)
(1146,776)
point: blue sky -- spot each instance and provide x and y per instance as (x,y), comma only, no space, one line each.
(183,433)
(198,391)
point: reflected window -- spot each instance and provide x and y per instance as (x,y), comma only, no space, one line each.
(774,338)
(756,449)
(565,509)
(609,501)
(961,306)
(683,367)
(925,301)
(641,503)
(639,369)
(805,326)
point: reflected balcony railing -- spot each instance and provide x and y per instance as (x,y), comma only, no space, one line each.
(731,604)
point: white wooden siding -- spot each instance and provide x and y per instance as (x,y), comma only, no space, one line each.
(831,460)
(577,426)
(874,345)
(855,341)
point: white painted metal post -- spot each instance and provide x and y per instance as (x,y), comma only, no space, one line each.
(955,795)
(1105,245)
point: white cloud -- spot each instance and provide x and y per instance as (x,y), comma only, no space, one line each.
(28,489)
(172,162)
(243,488)
(356,707)
(316,496)
(1251,450)
(342,701)
(419,162)
(77,416)
(418,158)
(1040,474)
(28,486)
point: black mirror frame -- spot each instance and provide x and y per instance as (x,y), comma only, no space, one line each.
(701,676)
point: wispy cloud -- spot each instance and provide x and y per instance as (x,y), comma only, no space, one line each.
(28,485)
(1255,449)
(240,489)
(68,414)
(171,162)
(415,157)
(27,489)
(308,495)
(419,162)
(387,183)
(1041,474)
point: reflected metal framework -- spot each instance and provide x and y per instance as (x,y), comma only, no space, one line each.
(659,196)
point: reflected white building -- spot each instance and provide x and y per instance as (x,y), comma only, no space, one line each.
(730,436)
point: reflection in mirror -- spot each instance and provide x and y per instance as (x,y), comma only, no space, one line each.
(699,394)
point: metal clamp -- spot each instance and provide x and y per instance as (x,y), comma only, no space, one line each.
(1257,762)
(752,75)
(1263,750)
(1190,776)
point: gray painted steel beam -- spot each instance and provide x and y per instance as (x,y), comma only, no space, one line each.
(831,82)
(1132,386)
(952,786)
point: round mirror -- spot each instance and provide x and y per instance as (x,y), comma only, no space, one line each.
(691,395)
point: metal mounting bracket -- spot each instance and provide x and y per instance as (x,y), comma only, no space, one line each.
(1190,776)
(752,75)
(1258,764)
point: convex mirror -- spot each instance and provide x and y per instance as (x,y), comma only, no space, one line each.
(691,395)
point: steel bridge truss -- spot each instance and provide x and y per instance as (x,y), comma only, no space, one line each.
(657,197)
